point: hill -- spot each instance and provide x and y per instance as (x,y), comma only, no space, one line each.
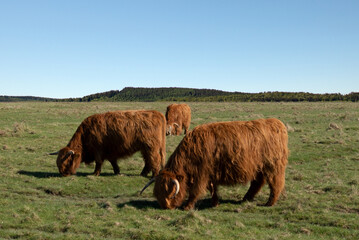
(157,94)
(130,94)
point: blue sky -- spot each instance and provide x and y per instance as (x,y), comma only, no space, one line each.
(73,48)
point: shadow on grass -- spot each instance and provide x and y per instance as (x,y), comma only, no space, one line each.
(200,205)
(39,174)
(140,204)
(207,203)
(53,174)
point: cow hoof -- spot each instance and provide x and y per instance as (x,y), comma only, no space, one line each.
(188,207)
(144,174)
(247,199)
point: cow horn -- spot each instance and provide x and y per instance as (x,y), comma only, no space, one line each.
(69,153)
(175,181)
(148,184)
(176,124)
(54,153)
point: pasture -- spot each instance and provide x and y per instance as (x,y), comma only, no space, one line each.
(321,199)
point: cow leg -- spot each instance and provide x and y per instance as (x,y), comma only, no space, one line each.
(116,168)
(98,167)
(195,191)
(256,185)
(192,199)
(213,190)
(145,171)
(154,159)
(179,131)
(186,127)
(147,156)
(276,185)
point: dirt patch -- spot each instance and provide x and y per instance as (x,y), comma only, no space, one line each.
(53,192)
(334,126)
(289,127)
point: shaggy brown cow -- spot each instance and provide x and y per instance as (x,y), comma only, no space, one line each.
(225,153)
(114,135)
(178,117)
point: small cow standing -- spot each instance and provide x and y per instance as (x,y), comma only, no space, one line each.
(178,117)
(114,135)
(225,153)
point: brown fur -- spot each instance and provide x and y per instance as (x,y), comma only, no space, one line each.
(178,117)
(114,135)
(225,153)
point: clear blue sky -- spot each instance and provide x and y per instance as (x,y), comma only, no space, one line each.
(73,48)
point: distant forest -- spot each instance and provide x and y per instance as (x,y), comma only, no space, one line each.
(131,94)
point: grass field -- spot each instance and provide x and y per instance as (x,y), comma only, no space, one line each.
(321,199)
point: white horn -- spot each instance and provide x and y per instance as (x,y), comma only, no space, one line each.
(70,152)
(170,131)
(148,184)
(175,181)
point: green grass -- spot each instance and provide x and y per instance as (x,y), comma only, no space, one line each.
(321,200)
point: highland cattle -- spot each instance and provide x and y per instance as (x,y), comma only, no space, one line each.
(115,135)
(178,117)
(224,153)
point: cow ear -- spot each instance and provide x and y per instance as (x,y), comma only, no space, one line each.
(179,178)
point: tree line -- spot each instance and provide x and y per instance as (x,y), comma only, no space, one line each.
(194,95)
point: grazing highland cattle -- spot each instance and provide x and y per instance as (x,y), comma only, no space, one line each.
(178,117)
(224,153)
(114,135)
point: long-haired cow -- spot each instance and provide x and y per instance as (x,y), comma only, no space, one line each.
(225,153)
(178,117)
(114,135)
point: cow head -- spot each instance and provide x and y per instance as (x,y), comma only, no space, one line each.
(170,189)
(172,129)
(68,161)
